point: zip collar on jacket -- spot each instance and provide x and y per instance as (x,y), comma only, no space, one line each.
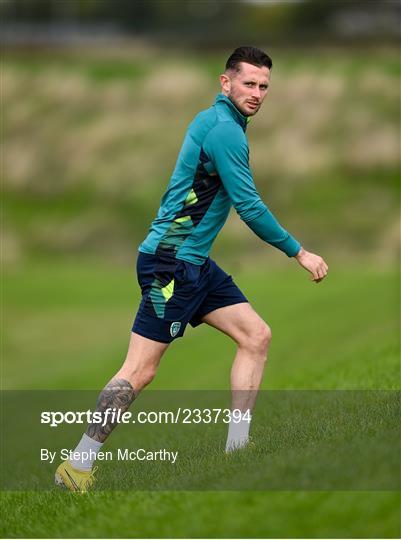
(241,119)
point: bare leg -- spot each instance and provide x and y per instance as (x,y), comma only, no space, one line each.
(252,335)
(138,370)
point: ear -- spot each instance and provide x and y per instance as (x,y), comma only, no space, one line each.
(225,82)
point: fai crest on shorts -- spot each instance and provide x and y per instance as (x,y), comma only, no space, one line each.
(175,328)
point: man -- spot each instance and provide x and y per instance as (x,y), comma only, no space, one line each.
(180,284)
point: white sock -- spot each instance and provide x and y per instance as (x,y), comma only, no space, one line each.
(238,434)
(86,450)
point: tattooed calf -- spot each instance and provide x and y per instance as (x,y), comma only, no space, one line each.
(117,394)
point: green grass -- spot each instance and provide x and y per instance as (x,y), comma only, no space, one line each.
(194,515)
(96,70)
(66,327)
(341,333)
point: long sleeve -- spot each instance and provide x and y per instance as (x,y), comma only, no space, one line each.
(227,148)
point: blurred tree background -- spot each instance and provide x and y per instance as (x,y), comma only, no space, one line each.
(97,96)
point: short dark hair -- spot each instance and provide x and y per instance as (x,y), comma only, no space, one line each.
(250,55)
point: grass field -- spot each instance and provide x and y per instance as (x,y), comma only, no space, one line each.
(88,152)
(67,325)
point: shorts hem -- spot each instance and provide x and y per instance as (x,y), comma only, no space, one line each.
(148,335)
(198,320)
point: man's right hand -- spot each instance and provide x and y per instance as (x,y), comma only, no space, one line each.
(313,263)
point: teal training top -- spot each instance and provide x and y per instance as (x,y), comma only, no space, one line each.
(212,174)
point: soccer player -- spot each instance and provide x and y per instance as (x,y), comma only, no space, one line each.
(180,284)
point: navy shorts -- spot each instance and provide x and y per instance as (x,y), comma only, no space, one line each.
(176,292)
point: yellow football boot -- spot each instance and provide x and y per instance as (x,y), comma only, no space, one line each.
(73,479)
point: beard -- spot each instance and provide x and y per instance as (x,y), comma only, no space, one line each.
(241,108)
